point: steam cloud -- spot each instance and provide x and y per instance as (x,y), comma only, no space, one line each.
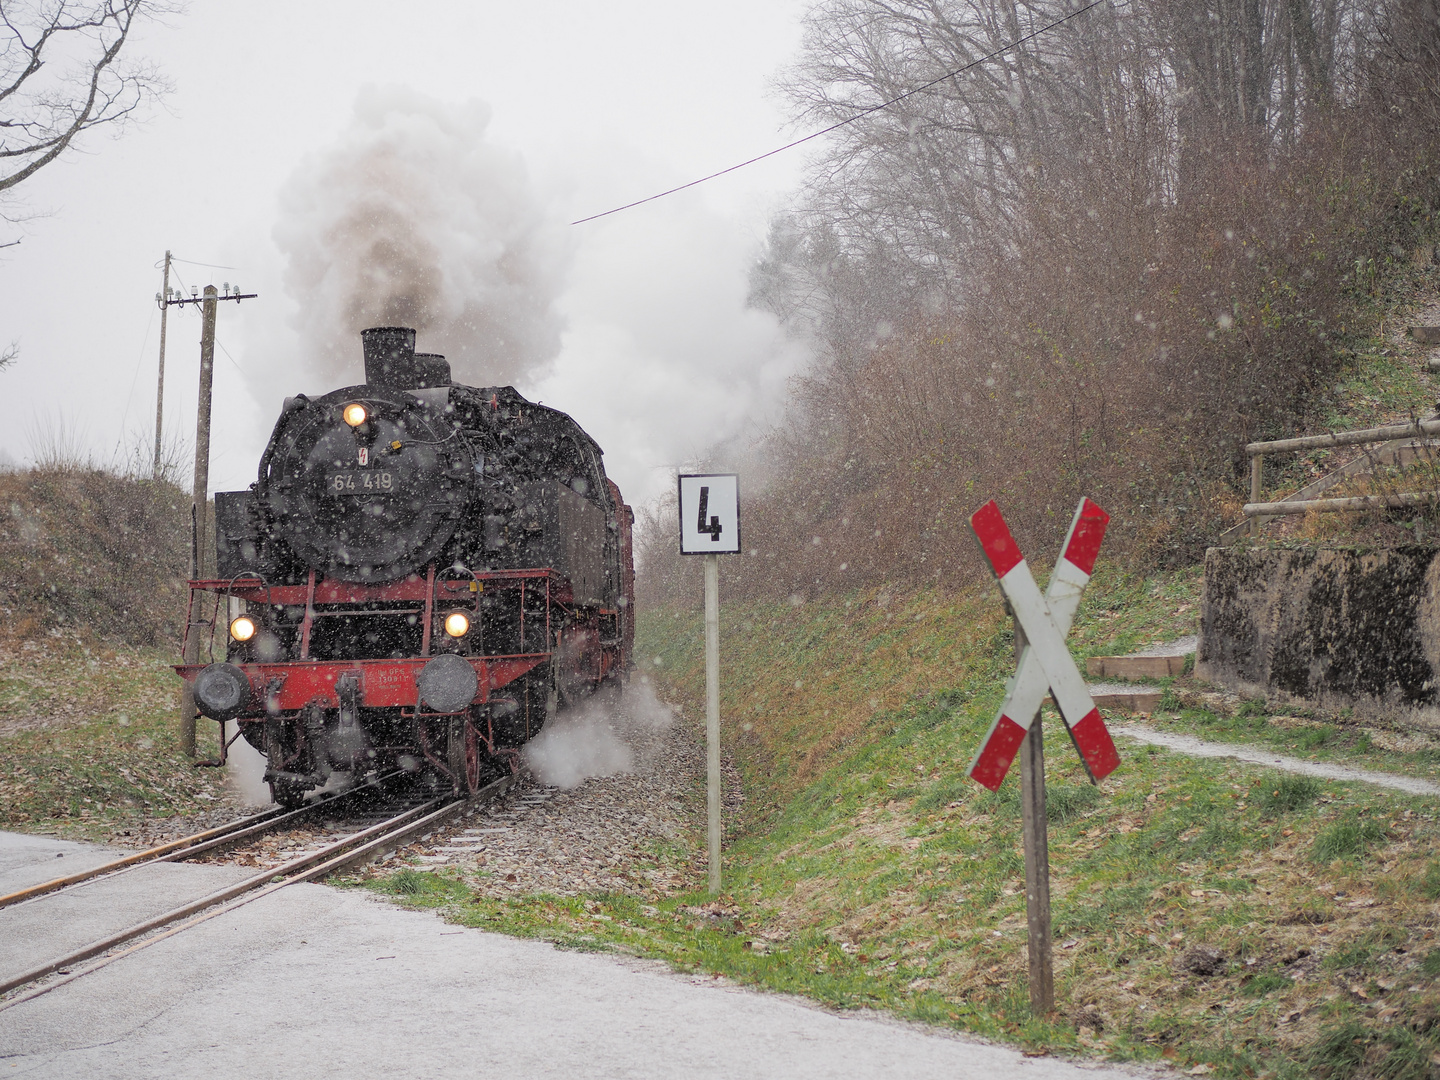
(594,738)
(413,219)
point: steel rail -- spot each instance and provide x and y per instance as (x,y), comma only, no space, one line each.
(150,854)
(326,860)
(187,846)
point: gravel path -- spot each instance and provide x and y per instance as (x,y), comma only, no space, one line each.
(1188,744)
(612,801)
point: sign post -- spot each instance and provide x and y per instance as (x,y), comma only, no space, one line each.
(710,526)
(1036,825)
(1043,665)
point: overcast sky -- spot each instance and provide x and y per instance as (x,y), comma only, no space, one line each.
(591,105)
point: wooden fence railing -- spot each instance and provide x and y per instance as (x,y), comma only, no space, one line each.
(1403,443)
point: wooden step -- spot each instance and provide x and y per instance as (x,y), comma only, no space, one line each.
(1131,701)
(1134,667)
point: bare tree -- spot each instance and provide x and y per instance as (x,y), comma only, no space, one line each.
(62,73)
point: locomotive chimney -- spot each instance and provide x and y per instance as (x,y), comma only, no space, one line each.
(431,369)
(389,356)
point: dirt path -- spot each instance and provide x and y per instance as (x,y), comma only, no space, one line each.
(1188,744)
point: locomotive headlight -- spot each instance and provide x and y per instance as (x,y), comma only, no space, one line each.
(242,628)
(354,414)
(457,624)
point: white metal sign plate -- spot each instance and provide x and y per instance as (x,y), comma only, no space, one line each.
(710,514)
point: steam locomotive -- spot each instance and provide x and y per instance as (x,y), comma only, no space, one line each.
(421,575)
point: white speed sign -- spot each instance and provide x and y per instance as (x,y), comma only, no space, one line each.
(710,514)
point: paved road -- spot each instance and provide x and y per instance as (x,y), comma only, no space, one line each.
(317,982)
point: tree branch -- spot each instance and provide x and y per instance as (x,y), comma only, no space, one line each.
(42,111)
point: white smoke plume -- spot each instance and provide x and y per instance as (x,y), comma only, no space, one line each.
(598,737)
(412,218)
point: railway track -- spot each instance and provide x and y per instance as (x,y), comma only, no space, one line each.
(392,828)
(188,847)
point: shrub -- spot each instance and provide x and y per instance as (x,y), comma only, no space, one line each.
(89,551)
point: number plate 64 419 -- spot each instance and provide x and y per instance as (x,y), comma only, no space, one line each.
(362,482)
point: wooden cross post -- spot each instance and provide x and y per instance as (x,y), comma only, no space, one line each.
(1037,858)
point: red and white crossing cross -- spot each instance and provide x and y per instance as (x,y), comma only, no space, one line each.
(1045,662)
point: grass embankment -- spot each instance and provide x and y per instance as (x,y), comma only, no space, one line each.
(93,554)
(92,598)
(869,872)
(89,740)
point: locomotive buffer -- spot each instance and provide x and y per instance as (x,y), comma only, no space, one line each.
(710,526)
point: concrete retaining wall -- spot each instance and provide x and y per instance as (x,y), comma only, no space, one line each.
(1327,629)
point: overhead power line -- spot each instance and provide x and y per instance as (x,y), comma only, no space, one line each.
(192,262)
(850,120)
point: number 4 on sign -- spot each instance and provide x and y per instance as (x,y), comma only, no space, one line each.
(713,527)
(1046,665)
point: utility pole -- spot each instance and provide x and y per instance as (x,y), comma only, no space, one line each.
(199,515)
(163,300)
(202,429)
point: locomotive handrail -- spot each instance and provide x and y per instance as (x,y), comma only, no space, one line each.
(429,610)
(477,590)
(331,591)
(309,620)
(230,589)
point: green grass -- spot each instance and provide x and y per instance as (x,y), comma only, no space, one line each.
(1347,839)
(112,757)
(1064,802)
(1341,1050)
(1266,983)
(1286,792)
